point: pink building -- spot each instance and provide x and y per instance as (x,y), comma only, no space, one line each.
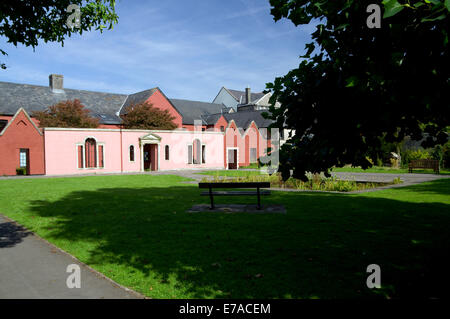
(82,151)
(208,135)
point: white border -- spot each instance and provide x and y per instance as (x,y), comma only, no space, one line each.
(237,159)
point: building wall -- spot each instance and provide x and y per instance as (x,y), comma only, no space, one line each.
(21,133)
(220,122)
(62,152)
(226,98)
(160,101)
(191,127)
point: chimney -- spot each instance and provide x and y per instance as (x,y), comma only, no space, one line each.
(56,83)
(248,95)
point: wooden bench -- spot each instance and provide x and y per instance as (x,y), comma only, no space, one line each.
(257,185)
(424,163)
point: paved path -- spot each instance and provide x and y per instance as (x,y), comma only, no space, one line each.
(32,268)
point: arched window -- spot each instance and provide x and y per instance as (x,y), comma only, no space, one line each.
(131,153)
(90,147)
(166,149)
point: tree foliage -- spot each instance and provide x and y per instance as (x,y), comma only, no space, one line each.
(66,114)
(145,116)
(357,86)
(28,21)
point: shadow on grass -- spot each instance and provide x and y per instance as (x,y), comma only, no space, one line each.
(320,248)
(439,186)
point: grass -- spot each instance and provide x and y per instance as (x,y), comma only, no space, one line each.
(390,170)
(134,229)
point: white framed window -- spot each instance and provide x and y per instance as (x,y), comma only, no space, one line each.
(23,157)
(203,153)
(166,152)
(189,154)
(131,151)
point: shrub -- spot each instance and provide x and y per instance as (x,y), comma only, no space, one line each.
(446,155)
(410,155)
(147,117)
(66,114)
(315,182)
(21,171)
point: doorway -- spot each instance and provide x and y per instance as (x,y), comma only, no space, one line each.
(24,160)
(151,157)
(232,159)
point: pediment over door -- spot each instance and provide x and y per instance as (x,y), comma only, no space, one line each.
(150,138)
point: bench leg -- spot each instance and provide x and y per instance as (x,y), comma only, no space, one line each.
(259,200)
(211,197)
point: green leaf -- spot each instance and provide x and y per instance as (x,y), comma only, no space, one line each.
(447,4)
(442,16)
(351,81)
(391,8)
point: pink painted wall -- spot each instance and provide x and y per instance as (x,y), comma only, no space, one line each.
(160,101)
(236,137)
(61,151)
(61,157)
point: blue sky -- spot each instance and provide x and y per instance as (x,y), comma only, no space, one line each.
(189,48)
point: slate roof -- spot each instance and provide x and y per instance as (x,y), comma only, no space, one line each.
(211,119)
(195,110)
(238,95)
(244,118)
(137,98)
(37,98)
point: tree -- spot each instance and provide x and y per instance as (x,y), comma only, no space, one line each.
(145,116)
(28,21)
(66,114)
(358,86)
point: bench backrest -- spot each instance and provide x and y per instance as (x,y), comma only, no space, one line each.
(425,163)
(235,185)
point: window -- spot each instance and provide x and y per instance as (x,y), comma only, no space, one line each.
(222,128)
(252,155)
(91,153)
(80,156)
(203,129)
(100,156)
(189,154)
(131,153)
(197,147)
(203,154)
(166,149)
(23,157)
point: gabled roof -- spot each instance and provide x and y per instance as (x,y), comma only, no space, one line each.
(244,118)
(20,110)
(211,119)
(136,98)
(240,96)
(38,98)
(195,110)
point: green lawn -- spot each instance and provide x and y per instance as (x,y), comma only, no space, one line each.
(383,169)
(134,229)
